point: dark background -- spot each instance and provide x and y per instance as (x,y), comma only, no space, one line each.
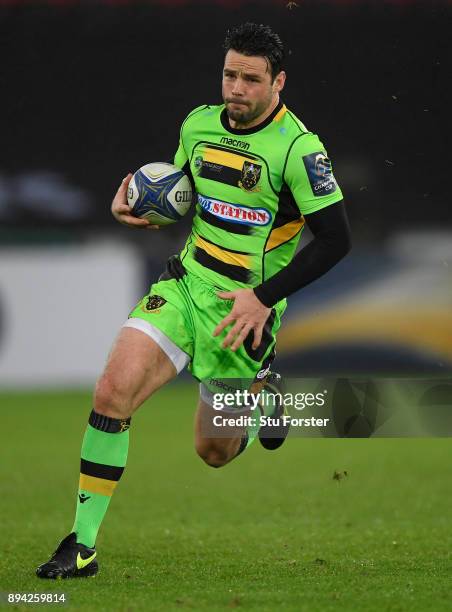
(91,91)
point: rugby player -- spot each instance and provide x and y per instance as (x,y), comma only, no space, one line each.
(259,176)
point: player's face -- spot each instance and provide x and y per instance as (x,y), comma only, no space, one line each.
(248,90)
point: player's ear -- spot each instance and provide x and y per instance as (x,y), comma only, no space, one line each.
(278,83)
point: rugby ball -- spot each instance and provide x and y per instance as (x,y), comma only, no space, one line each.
(160,193)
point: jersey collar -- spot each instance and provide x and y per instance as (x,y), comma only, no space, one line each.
(225,122)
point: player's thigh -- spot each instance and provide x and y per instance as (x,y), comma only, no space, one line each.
(152,348)
(136,367)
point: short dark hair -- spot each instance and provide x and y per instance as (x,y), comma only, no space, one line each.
(257,39)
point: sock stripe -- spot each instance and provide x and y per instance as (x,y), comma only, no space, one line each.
(101,486)
(100,470)
(108,424)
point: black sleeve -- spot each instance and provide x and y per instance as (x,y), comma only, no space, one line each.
(332,241)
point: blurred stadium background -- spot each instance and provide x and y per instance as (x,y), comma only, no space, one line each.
(92,90)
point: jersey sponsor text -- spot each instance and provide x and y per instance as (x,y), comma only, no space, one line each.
(236,213)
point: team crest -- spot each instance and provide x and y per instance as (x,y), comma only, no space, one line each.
(251,173)
(154,302)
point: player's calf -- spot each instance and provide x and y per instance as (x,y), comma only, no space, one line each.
(217,452)
(214,450)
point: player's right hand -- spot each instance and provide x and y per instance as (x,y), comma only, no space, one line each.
(121,210)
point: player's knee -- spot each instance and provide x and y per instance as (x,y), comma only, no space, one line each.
(111,398)
(213,455)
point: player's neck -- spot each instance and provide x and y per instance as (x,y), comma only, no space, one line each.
(236,125)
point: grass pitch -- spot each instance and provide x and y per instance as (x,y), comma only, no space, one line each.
(271,531)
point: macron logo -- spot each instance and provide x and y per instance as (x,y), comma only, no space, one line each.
(233,142)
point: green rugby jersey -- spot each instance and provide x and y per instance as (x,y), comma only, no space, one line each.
(253,187)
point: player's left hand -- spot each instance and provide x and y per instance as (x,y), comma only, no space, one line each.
(248,313)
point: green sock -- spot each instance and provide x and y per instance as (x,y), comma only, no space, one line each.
(103,458)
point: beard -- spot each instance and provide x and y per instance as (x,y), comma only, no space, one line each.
(241,115)
(247,113)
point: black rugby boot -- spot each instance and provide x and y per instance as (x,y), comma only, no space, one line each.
(273,436)
(70,560)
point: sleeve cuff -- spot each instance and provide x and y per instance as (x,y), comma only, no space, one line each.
(264,296)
